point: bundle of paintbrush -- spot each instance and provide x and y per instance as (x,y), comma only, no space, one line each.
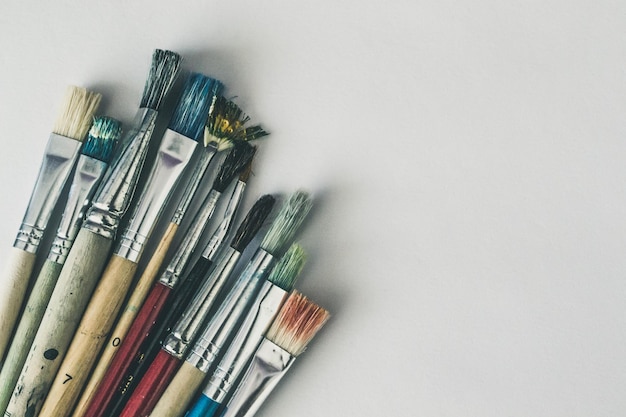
(98,339)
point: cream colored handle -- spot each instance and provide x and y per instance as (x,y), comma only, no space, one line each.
(79,276)
(133,305)
(180,392)
(14,283)
(91,334)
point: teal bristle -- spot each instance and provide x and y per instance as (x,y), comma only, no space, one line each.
(102,138)
(192,110)
(286,271)
(286,224)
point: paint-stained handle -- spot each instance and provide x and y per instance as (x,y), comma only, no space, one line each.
(180,392)
(26,329)
(79,276)
(128,315)
(91,334)
(14,284)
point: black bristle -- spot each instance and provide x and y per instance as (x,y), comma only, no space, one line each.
(237,159)
(253,222)
(163,71)
(251,133)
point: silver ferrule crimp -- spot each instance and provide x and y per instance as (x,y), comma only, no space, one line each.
(215,242)
(173,156)
(59,158)
(188,326)
(232,309)
(268,366)
(199,170)
(88,173)
(118,186)
(172,273)
(249,335)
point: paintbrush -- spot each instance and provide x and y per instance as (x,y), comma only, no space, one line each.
(175,151)
(223,324)
(237,159)
(225,125)
(91,248)
(297,323)
(90,169)
(60,156)
(181,391)
(126,369)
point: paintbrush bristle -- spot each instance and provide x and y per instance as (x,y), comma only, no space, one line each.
(235,162)
(163,71)
(246,172)
(251,133)
(191,112)
(225,119)
(286,224)
(76,113)
(297,322)
(102,138)
(253,222)
(286,271)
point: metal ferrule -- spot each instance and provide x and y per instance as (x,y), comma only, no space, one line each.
(172,273)
(190,323)
(214,244)
(249,335)
(173,156)
(116,190)
(268,366)
(59,158)
(89,172)
(232,309)
(194,182)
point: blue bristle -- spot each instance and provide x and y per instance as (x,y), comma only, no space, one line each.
(102,138)
(192,110)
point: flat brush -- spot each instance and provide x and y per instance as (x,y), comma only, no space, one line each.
(60,156)
(191,302)
(179,394)
(238,158)
(90,169)
(223,323)
(174,153)
(297,323)
(92,246)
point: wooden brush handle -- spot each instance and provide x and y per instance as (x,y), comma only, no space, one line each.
(152,385)
(127,352)
(180,392)
(126,319)
(91,334)
(26,329)
(75,285)
(14,284)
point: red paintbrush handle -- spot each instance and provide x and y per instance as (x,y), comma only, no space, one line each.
(138,332)
(152,385)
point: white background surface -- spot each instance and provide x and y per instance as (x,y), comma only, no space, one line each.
(467,158)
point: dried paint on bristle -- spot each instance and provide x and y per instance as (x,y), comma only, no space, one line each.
(253,222)
(102,138)
(297,322)
(76,113)
(286,224)
(236,160)
(251,133)
(286,271)
(225,120)
(163,71)
(193,106)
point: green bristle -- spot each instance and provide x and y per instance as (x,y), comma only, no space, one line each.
(286,271)
(102,138)
(286,224)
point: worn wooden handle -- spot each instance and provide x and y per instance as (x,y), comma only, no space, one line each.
(91,334)
(14,284)
(75,285)
(26,329)
(180,392)
(132,307)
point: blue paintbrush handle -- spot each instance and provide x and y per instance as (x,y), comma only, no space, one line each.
(204,407)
